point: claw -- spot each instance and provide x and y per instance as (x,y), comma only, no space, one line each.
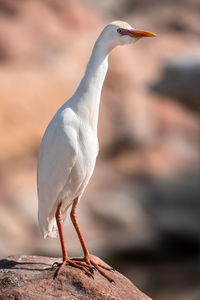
(111,280)
(55,274)
(55,264)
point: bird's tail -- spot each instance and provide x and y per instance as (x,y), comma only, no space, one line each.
(47,222)
(48,227)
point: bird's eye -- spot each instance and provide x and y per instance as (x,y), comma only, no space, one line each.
(119,30)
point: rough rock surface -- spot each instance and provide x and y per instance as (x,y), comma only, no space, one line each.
(32,277)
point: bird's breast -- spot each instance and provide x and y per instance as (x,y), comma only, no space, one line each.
(86,158)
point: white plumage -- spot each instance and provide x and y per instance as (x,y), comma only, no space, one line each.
(69,148)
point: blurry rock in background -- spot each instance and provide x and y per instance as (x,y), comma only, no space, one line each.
(140,211)
(181,80)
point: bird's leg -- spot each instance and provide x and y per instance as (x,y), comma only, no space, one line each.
(66,259)
(76,226)
(87,257)
(59,220)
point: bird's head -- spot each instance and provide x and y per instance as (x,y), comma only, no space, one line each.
(121,33)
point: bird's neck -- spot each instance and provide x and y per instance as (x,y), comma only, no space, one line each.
(89,91)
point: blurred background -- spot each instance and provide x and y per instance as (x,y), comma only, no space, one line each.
(141,209)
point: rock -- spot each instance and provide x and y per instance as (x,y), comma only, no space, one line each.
(180,80)
(173,205)
(120,212)
(32,277)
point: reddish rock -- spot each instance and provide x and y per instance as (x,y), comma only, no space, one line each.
(32,277)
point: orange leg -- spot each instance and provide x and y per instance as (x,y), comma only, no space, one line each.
(87,257)
(59,220)
(66,259)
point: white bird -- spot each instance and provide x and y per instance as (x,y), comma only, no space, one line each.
(69,147)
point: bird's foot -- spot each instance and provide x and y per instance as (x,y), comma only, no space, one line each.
(91,263)
(99,267)
(88,269)
(103,266)
(87,264)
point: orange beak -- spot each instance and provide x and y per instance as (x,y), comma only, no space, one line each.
(140,33)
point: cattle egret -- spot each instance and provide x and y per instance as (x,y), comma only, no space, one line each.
(69,147)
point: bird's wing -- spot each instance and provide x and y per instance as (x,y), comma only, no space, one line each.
(57,156)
